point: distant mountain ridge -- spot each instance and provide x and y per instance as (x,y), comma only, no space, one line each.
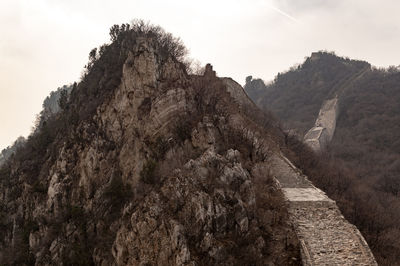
(303,88)
(50,107)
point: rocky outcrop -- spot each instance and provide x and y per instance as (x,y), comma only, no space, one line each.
(237,92)
(157,176)
(196,218)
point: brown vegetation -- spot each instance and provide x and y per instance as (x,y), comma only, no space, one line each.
(361,167)
(296,95)
(83,219)
(374,212)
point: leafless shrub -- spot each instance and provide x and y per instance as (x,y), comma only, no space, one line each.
(172,45)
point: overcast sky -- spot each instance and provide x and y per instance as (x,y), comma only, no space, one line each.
(44,43)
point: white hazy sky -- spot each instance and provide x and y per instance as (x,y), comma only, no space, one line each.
(44,43)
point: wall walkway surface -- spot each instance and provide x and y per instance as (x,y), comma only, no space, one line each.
(326,237)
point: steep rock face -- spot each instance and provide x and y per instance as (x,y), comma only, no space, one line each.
(141,183)
(151,94)
(195,218)
(237,92)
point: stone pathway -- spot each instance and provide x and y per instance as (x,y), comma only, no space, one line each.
(326,237)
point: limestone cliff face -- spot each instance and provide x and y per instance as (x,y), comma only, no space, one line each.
(163,173)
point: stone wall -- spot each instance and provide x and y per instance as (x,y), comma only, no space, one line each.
(326,237)
(324,128)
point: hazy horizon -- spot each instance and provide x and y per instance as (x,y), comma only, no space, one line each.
(45,44)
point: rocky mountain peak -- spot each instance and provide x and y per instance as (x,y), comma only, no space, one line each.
(146,164)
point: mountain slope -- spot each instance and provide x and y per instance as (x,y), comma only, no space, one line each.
(297,95)
(145,164)
(365,137)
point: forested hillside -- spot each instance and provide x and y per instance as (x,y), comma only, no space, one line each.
(296,95)
(364,155)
